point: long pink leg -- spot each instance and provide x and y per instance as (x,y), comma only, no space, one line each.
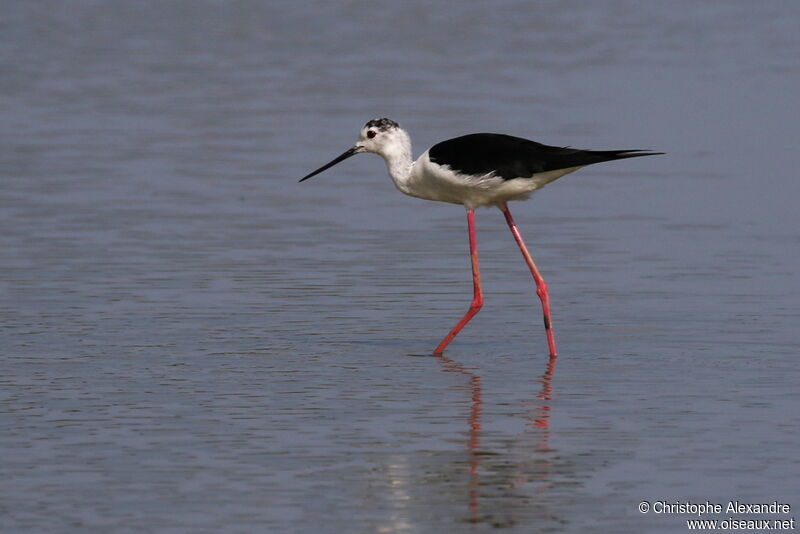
(541,286)
(477,296)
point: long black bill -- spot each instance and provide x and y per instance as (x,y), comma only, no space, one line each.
(351,152)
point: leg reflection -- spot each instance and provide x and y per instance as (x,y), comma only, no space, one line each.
(527,464)
(539,425)
(473,441)
(541,416)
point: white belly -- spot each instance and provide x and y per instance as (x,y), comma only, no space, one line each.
(435,182)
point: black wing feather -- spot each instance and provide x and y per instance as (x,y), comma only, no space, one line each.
(512,157)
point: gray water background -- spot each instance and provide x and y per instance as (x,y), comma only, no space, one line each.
(190,341)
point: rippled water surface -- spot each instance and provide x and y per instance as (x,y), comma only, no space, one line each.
(191,341)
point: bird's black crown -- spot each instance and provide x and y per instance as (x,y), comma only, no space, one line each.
(382,124)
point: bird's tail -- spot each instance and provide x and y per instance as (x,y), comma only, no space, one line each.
(599,156)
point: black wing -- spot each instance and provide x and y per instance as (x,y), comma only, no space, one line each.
(513,157)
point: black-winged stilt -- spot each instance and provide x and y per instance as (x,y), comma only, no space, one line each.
(482,169)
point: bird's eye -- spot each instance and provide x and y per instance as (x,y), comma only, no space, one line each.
(371,134)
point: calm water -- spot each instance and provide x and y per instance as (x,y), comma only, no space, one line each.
(193,342)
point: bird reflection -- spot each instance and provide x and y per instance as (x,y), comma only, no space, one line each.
(539,420)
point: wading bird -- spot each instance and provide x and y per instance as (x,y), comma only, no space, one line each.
(482,169)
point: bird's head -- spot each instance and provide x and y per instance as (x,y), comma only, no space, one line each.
(379,136)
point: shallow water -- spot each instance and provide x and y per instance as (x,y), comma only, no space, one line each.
(193,342)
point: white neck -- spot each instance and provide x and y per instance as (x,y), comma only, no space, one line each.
(399,162)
